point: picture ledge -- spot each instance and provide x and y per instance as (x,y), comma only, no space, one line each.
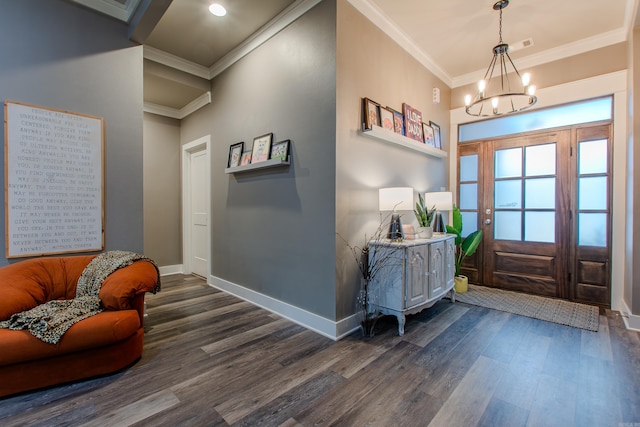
(381,134)
(271,163)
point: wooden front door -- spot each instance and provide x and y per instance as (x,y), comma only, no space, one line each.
(542,201)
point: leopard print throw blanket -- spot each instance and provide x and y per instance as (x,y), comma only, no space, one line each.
(51,320)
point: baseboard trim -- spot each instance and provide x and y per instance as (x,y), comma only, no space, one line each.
(170,269)
(318,324)
(631,321)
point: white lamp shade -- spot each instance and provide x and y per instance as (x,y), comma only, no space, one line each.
(442,200)
(395,198)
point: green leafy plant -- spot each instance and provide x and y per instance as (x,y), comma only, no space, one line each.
(423,214)
(464,246)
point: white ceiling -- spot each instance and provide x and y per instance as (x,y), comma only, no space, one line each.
(453,38)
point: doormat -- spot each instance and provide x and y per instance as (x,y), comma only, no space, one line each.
(549,309)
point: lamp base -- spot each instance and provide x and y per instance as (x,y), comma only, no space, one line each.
(438,224)
(395,233)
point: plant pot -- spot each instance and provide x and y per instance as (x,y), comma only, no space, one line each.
(425,232)
(461,284)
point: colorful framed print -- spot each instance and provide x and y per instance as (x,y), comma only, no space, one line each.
(371,113)
(261,148)
(428,135)
(386,119)
(235,152)
(412,123)
(246,158)
(437,136)
(280,150)
(398,121)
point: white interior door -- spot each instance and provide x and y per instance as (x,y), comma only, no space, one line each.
(196,207)
(199,214)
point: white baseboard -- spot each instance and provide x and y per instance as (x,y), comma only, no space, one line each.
(631,321)
(170,269)
(319,324)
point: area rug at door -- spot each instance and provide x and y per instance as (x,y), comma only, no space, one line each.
(552,310)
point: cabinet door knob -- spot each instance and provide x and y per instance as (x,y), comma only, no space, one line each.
(487,221)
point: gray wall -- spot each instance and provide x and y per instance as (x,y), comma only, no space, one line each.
(273,231)
(162,192)
(61,56)
(372,65)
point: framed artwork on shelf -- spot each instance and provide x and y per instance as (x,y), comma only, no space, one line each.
(261,148)
(436,135)
(280,150)
(246,158)
(412,123)
(371,113)
(428,135)
(386,119)
(235,152)
(398,121)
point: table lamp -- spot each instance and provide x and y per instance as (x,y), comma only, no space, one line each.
(395,199)
(443,201)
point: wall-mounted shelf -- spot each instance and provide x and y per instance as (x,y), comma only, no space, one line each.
(271,163)
(382,134)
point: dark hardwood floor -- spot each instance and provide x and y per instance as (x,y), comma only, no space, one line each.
(211,359)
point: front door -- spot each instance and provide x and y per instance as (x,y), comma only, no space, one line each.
(542,201)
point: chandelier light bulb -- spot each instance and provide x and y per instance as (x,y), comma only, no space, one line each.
(467,100)
(494,103)
(217,9)
(481,86)
(526,78)
(531,90)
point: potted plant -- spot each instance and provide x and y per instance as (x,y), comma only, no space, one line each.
(464,247)
(424,216)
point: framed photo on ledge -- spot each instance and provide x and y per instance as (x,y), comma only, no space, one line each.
(280,150)
(261,148)
(386,119)
(235,153)
(246,158)
(398,121)
(436,134)
(428,135)
(371,113)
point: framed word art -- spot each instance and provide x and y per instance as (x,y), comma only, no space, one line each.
(54,180)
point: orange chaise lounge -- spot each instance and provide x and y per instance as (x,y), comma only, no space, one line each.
(107,342)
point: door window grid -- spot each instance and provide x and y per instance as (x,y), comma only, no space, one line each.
(468,190)
(524,206)
(593,197)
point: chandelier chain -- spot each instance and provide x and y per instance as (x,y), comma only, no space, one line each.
(500,32)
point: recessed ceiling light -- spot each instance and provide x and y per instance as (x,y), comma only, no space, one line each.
(217,9)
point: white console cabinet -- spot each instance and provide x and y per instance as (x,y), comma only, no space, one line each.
(415,274)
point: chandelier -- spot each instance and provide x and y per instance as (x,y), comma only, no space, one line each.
(497,95)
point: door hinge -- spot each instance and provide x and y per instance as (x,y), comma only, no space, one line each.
(570,215)
(571,151)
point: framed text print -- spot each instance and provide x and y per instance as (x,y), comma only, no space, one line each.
(54,179)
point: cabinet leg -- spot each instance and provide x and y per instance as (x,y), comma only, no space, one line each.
(401,321)
(453,295)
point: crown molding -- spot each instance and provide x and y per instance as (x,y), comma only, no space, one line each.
(270,29)
(181,113)
(555,54)
(122,12)
(379,19)
(173,61)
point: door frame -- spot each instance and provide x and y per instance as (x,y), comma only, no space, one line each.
(607,84)
(197,146)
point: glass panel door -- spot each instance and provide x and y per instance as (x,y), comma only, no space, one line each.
(592,231)
(525,200)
